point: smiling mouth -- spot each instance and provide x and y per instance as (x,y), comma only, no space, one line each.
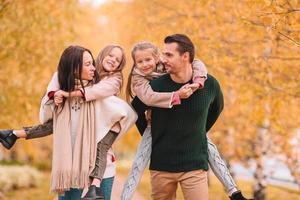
(110,63)
(147,69)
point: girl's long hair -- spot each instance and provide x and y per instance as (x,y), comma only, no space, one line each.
(102,54)
(70,68)
(140,46)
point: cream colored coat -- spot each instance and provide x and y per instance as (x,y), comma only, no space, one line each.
(109,110)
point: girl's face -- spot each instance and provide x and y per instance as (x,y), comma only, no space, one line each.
(88,69)
(112,61)
(145,61)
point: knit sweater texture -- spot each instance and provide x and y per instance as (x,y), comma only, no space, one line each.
(179,142)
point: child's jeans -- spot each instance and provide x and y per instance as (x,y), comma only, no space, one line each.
(72,194)
(106,186)
(75,194)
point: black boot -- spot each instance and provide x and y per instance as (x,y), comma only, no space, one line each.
(94,193)
(238,196)
(7,138)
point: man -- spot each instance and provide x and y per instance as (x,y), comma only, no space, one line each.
(179,143)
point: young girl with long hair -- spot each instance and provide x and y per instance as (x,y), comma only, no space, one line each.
(147,66)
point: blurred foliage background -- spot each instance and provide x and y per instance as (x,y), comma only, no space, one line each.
(252,47)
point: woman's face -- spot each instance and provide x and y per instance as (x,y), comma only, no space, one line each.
(112,61)
(88,69)
(145,61)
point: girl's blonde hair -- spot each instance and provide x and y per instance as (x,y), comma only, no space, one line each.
(140,46)
(102,54)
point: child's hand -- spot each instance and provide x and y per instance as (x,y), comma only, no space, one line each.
(194,86)
(59,96)
(185,91)
(148,116)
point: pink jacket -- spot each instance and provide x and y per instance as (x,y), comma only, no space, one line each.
(109,86)
(143,90)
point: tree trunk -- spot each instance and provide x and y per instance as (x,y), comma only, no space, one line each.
(260,181)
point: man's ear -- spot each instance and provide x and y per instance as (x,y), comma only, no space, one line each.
(186,56)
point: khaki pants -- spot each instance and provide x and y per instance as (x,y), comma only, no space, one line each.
(193,185)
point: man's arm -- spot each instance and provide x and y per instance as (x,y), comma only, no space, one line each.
(215,107)
(140,109)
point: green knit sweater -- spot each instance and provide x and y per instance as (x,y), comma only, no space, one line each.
(179,142)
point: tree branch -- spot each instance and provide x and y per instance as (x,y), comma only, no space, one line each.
(274,28)
(289,38)
(3,4)
(284,58)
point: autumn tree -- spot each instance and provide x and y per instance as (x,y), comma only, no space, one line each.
(33,34)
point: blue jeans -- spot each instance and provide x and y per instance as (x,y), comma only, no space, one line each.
(72,194)
(106,186)
(75,194)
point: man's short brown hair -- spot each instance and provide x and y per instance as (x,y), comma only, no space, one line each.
(184,44)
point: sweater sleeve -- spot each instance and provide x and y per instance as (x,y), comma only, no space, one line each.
(140,109)
(199,72)
(52,87)
(215,107)
(145,93)
(105,88)
(47,103)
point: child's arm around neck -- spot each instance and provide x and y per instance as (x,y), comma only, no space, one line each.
(142,88)
(199,72)
(108,86)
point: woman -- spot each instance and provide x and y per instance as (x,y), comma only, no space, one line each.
(109,64)
(78,126)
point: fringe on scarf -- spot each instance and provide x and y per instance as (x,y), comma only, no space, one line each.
(65,180)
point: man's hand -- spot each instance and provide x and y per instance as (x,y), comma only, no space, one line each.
(185,91)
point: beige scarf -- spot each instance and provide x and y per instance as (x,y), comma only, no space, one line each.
(72,169)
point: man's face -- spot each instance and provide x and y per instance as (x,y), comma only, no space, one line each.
(171,58)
